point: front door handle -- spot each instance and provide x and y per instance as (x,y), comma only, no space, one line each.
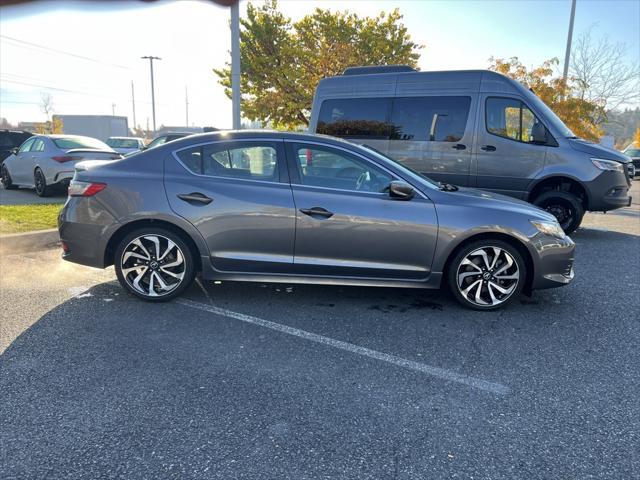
(195,197)
(488,148)
(459,146)
(317,212)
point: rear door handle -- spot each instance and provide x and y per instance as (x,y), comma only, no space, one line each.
(459,146)
(488,148)
(195,197)
(317,212)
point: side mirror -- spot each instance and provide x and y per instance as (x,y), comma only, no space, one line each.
(401,191)
(538,133)
(14,150)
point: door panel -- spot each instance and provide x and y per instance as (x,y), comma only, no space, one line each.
(434,135)
(22,167)
(347,226)
(369,235)
(505,165)
(249,225)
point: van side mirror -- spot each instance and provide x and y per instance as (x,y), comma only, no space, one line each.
(538,133)
(401,191)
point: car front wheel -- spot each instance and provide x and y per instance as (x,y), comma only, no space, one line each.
(487,274)
(154,264)
(7,183)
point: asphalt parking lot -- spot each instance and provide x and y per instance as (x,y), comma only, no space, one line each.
(301,382)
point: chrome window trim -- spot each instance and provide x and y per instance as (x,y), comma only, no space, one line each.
(202,144)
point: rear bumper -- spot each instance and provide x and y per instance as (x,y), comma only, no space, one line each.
(83,226)
(608,191)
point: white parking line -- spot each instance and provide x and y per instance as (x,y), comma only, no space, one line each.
(448,375)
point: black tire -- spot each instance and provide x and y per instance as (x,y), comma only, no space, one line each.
(5,177)
(127,278)
(40,184)
(566,207)
(488,288)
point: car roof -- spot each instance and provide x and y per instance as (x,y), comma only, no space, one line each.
(198,138)
(126,138)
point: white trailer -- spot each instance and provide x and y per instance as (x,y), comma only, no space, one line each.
(97,126)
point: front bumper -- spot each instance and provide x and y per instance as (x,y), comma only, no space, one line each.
(608,191)
(554,264)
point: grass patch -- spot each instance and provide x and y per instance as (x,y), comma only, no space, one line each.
(25,218)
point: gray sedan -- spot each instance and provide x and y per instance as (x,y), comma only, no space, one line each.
(283,207)
(46,162)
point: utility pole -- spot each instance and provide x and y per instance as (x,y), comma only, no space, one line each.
(113,109)
(186,104)
(235,63)
(133,102)
(153,93)
(567,54)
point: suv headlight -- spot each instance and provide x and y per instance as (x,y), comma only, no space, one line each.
(608,165)
(549,228)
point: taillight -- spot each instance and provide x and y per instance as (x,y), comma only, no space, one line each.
(65,158)
(85,189)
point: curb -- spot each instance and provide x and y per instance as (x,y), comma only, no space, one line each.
(29,241)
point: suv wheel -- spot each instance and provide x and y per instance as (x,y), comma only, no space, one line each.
(154,264)
(7,183)
(40,183)
(566,207)
(486,275)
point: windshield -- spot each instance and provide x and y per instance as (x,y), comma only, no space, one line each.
(67,143)
(550,117)
(122,143)
(632,152)
(409,170)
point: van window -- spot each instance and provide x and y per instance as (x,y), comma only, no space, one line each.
(435,119)
(509,118)
(355,118)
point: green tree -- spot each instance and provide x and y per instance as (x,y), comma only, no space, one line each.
(283,61)
(584,117)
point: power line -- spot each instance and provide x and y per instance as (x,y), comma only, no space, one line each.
(23,43)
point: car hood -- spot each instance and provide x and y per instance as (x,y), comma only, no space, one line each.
(596,150)
(485,199)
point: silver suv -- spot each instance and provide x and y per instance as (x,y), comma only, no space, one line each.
(476,129)
(283,207)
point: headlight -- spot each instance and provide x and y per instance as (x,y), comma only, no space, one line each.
(549,228)
(608,165)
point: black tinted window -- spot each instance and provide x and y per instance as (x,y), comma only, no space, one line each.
(436,119)
(252,162)
(355,118)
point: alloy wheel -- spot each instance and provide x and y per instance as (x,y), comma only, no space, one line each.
(153,265)
(487,276)
(39,182)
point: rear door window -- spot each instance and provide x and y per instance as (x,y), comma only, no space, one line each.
(38,145)
(435,119)
(257,161)
(355,118)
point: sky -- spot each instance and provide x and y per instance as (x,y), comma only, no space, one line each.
(86,57)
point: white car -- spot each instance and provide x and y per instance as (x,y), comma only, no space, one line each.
(45,162)
(125,145)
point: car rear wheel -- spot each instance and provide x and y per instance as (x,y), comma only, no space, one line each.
(154,264)
(487,275)
(7,183)
(40,183)
(566,207)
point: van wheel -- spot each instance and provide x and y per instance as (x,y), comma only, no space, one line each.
(566,207)
(154,264)
(40,183)
(487,274)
